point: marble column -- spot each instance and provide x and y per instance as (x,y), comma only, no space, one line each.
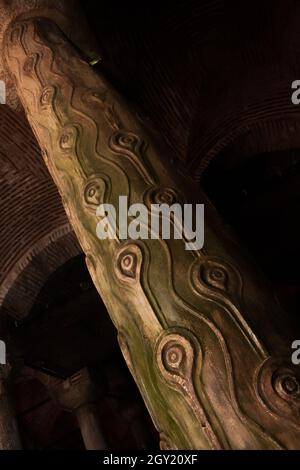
(87,416)
(9,432)
(201,331)
(77,395)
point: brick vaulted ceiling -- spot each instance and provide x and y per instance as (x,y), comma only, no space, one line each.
(35,236)
(204,72)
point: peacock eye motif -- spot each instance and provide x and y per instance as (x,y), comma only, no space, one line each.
(67,138)
(93,193)
(47,96)
(175,358)
(29,63)
(214,276)
(126,142)
(165,196)
(286,385)
(127,264)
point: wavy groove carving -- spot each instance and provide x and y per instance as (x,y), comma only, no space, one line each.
(175,357)
(132,146)
(220,281)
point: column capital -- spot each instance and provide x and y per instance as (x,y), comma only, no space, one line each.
(77,394)
(71,393)
(67,14)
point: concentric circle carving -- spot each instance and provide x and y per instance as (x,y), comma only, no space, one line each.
(29,63)
(47,96)
(126,142)
(175,357)
(128,263)
(94,192)
(213,276)
(67,139)
(278,385)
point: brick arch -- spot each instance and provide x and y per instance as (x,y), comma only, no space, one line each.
(21,287)
(243,106)
(255,137)
(35,235)
(247,81)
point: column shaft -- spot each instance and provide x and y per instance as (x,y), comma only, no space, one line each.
(9,432)
(90,427)
(200,330)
